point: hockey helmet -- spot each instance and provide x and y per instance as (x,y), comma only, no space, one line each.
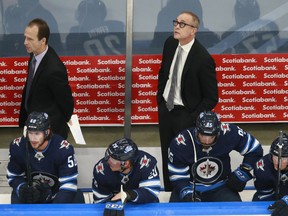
(274,149)
(91,11)
(123,149)
(208,124)
(38,121)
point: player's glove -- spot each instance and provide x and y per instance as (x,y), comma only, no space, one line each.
(237,180)
(188,196)
(192,198)
(45,191)
(127,196)
(114,208)
(28,194)
(280,207)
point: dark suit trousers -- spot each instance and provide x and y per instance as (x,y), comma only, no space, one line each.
(170,124)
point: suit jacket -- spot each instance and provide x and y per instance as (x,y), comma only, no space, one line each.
(50,92)
(199,90)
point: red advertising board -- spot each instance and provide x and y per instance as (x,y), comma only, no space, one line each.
(252,88)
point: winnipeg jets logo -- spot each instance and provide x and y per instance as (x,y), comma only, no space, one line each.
(225,128)
(100,168)
(180,139)
(43,178)
(17,141)
(260,164)
(207,170)
(64,144)
(144,162)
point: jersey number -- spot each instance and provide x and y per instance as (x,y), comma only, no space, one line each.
(71,162)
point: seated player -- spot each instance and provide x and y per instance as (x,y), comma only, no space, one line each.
(205,151)
(126,167)
(271,175)
(42,166)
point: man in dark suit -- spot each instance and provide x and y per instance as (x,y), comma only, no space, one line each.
(195,87)
(48,89)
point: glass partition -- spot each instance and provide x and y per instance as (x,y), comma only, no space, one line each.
(92,27)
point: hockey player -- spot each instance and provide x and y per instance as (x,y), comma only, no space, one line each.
(127,167)
(205,151)
(270,183)
(42,167)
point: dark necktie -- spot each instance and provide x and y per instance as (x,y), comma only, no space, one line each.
(30,79)
(170,99)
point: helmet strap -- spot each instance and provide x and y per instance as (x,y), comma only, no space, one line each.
(122,166)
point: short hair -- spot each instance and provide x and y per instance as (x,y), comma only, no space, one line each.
(195,18)
(43,28)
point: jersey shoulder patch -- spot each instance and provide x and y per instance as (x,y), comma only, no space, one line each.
(180,139)
(17,141)
(225,127)
(144,161)
(99,168)
(260,164)
(64,144)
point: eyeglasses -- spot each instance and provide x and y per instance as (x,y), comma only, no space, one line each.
(181,24)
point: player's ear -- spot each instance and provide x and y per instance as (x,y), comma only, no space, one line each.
(43,40)
(127,164)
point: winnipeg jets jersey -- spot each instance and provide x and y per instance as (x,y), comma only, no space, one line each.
(143,179)
(266,178)
(210,167)
(56,165)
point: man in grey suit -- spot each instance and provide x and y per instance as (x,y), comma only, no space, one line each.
(47,87)
(195,89)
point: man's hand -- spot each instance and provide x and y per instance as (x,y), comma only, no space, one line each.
(280,207)
(237,180)
(45,191)
(28,194)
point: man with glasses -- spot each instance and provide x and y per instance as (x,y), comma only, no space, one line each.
(187,86)
(200,163)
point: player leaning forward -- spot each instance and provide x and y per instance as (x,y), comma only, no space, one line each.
(271,175)
(42,167)
(125,174)
(200,164)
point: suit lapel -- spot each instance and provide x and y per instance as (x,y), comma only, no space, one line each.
(190,58)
